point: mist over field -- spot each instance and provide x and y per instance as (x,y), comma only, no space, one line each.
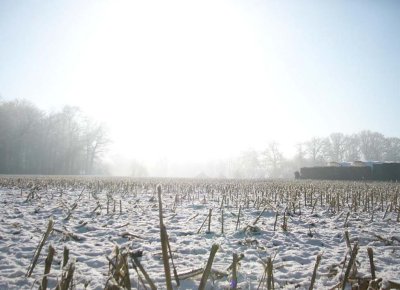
(214,144)
(69,143)
(235,89)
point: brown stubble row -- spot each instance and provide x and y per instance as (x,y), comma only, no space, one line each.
(284,197)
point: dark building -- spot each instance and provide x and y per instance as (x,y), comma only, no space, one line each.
(358,171)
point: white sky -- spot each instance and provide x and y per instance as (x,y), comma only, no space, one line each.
(194,81)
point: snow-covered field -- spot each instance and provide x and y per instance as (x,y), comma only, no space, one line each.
(316,215)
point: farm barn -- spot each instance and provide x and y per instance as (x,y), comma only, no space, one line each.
(356,171)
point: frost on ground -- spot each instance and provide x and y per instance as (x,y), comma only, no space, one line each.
(290,222)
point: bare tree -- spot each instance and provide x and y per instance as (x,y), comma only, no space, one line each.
(300,159)
(33,142)
(247,165)
(337,146)
(351,148)
(392,149)
(273,160)
(316,149)
(372,145)
(96,142)
(19,126)
(72,141)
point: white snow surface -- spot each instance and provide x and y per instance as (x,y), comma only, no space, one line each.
(310,232)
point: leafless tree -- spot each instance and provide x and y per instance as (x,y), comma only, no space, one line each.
(372,145)
(352,148)
(392,149)
(96,142)
(247,165)
(34,142)
(337,146)
(273,160)
(316,149)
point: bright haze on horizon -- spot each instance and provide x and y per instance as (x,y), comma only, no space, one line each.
(195,81)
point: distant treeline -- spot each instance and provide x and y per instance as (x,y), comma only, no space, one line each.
(316,152)
(36,142)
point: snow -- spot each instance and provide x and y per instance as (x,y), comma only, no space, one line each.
(186,205)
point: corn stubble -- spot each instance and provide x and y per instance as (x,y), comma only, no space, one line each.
(340,198)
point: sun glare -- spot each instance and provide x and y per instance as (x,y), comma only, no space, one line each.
(178,83)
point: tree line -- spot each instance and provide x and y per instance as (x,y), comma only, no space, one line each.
(318,151)
(365,145)
(272,162)
(35,142)
(67,142)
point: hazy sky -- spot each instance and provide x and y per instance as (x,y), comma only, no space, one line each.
(192,80)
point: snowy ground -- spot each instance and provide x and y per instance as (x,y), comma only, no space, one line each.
(23,220)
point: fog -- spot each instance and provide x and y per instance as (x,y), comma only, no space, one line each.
(213,88)
(33,141)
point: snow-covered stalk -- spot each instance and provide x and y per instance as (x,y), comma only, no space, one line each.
(65,256)
(256,220)
(137,263)
(270,277)
(347,218)
(284,225)
(207,217)
(222,221)
(164,242)
(66,277)
(222,202)
(371,262)
(234,274)
(172,260)
(314,205)
(190,273)
(318,260)
(207,270)
(238,218)
(350,265)
(398,214)
(209,220)
(47,267)
(347,239)
(386,211)
(276,220)
(39,248)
